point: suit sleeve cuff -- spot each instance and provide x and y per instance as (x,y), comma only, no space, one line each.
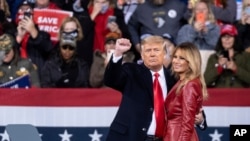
(116,59)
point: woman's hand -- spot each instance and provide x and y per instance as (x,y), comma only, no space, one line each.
(198,26)
(113,27)
(222,60)
(190,5)
(97,7)
(28,25)
(243,18)
(231,65)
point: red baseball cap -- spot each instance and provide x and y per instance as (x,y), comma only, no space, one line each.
(229,29)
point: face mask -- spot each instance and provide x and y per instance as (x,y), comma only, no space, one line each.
(31,1)
(70,35)
(104,8)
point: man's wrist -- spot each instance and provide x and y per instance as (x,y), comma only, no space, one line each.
(202,124)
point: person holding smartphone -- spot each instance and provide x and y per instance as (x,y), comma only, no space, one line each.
(34,44)
(202,29)
(230,65)
(107,18)
(243,25)
(224,10)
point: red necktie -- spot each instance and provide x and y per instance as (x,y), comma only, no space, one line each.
(158,107)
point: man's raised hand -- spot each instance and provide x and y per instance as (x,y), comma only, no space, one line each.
(122,45)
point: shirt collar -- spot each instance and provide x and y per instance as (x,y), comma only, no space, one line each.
(161,72)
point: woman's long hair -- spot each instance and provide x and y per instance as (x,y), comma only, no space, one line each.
(5,7)
(193,57)
(237,46)
(210,17)
(79,27)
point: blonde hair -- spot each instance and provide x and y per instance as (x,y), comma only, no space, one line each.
(5,7)
(193,57)
(210,17)
(154,39)
(79,27)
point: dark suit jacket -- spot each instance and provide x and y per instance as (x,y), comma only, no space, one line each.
(203,126)
(134,115)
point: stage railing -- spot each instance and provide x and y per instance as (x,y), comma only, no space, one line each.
(85,114)
(105,96)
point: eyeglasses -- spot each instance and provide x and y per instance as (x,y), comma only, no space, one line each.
(68,47)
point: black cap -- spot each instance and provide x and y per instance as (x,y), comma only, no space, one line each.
(26,3)
(169,37)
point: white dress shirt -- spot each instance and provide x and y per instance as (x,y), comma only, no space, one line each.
(162,81)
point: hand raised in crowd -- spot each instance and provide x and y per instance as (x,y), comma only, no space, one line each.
(231,65)
(122,45)
(245,19)
(113,27)
(97,7)
(190,5)
(198,26)
(20,33)
(28,25)
(205,30)
(222,60)
(227,64)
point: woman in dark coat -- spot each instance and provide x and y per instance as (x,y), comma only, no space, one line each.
(64,69)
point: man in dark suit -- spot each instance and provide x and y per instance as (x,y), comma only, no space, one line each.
(136,117)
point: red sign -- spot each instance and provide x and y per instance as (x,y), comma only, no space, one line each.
(50,20)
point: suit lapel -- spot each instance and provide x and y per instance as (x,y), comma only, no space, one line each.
(147,80)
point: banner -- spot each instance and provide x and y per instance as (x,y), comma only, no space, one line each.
(86,114)
(50,20)
(20,82)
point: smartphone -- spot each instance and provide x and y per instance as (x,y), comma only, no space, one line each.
(111,19)
(225,54)
(247,10)
(27,14)
(200,17)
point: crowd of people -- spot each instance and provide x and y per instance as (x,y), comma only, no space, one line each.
(96,24)
(149,50)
